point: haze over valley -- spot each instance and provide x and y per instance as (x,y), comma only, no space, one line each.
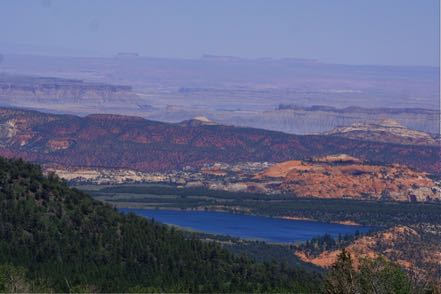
(290,95)
(220,147)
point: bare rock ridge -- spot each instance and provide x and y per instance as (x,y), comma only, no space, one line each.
(387,130)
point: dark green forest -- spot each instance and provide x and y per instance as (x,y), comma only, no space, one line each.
(54,238)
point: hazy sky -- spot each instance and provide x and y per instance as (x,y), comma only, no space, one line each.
(403,32)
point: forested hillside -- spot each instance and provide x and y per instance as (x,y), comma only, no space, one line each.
(53,238)
(115,141)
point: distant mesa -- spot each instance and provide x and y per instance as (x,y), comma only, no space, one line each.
(114,117)
(307,108)
(127,54)
(210,57)
(356,109)
(289,60)
(43,91)
(147,107)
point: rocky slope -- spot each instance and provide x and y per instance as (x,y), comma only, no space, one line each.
(416,248)
(389,131)
(114,141)
(343,176)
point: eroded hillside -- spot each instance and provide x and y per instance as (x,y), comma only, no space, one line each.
(112,141)
(344,176)
(416,248)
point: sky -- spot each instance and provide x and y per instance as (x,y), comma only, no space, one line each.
(393,32)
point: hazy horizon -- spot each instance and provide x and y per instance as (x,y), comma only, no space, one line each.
(404,33)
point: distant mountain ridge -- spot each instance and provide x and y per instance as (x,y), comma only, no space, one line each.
(115,141)
(242,92)
(235,101)
(351,109)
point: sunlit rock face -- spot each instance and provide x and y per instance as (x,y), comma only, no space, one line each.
(388,130)
(344,176)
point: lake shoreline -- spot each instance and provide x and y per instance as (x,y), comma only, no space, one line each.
(236,210)
(245,226)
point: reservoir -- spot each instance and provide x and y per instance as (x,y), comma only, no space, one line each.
(247,226)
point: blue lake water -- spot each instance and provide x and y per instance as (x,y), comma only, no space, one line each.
(247,226)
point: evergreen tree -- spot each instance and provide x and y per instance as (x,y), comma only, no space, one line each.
(373,276)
